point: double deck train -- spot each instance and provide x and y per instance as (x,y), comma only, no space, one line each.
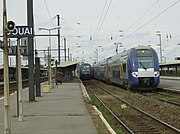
(136,68)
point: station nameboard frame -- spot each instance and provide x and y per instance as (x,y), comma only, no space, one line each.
(21,31)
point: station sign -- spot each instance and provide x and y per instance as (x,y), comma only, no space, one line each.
(24,41)
(1,43)
(21,31)
(12,50)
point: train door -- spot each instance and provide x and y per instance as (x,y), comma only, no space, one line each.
(107,72)
(95,71)
(124,70)
(121,68)
(116,71)
(111,72)
(101,71)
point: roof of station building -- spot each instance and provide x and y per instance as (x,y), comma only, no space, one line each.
(66,64)
(170,63)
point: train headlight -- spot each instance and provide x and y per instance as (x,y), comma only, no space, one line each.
(156,73)
(135,74)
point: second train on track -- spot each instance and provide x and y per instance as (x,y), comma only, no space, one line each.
(85,71)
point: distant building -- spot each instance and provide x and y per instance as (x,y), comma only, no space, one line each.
(67,69)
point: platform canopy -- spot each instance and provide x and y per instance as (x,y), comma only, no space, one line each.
(170,63)
(66,64)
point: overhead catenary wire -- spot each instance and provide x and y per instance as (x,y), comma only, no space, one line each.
(160,13)
(156,2)
(99,38)
(102,22)
(48,11)
(51,20)
(100,18)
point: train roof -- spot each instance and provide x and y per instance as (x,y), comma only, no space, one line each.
(142,47)
(84,64)
(123,55)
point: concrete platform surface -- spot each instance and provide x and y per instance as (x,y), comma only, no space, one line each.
(170,83)
(62,111)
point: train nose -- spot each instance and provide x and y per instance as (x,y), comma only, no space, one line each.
(146,81)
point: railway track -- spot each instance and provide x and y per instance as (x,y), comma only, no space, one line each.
(165,96)
(133,119)
(12,85)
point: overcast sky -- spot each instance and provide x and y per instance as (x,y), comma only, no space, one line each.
(129,22)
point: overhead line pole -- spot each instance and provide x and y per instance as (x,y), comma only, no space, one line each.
(160,45)
(7,129)
(20,103)
(65,49)
(30,51)
(59,43)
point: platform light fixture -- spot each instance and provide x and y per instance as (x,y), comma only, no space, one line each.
(159,35)
(49,52)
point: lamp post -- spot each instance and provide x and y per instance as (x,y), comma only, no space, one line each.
(159,35)
(97,56)
(7,117)
(58,18)
(49,53)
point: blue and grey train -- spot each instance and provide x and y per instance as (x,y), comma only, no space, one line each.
(137,68)
(85,71)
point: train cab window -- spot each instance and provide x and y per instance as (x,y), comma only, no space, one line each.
(144,59)
(143,53)
(145,62)
(86,68)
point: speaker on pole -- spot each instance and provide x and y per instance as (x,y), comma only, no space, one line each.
(10,26)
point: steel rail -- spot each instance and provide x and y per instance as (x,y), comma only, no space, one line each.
(164,100)
(115,116)
(171,102)
(147,114)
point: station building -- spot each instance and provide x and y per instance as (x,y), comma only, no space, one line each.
(67,69)
(170,69)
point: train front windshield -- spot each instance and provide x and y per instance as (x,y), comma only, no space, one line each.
(86,68)
(144,59)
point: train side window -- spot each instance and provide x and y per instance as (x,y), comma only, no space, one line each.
(116,71)
(110,70)
(178,71)
(124,71)
(101,68)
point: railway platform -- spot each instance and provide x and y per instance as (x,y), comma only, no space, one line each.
(170,83)
(61,111)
